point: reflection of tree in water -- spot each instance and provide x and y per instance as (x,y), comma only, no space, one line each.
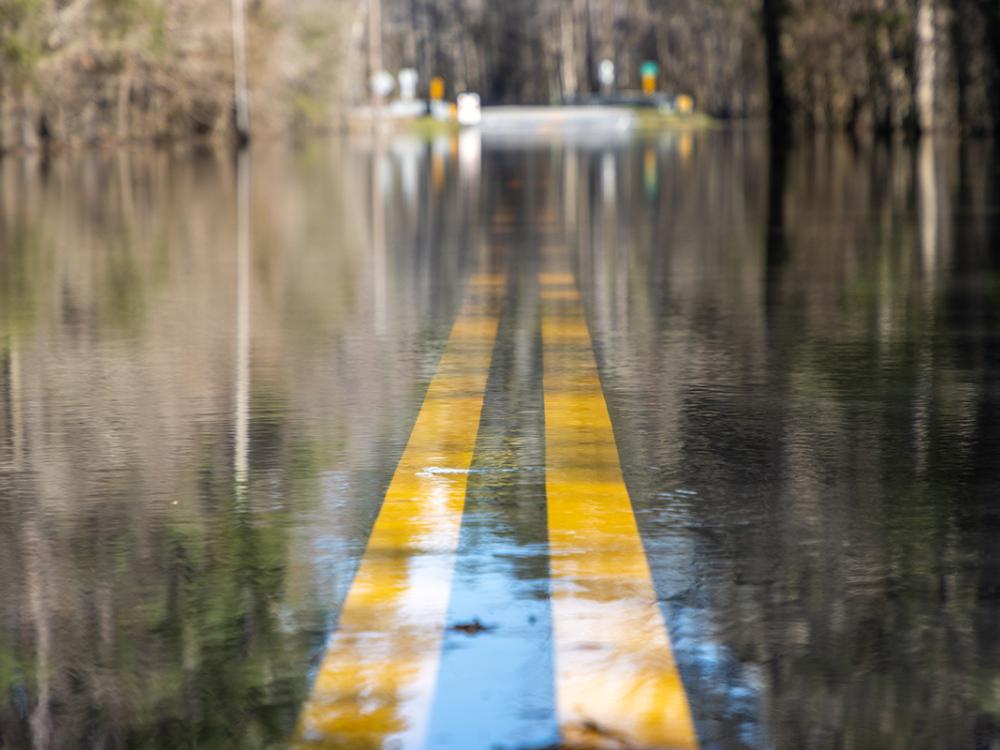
(147,602)
(832,412)
(829,571)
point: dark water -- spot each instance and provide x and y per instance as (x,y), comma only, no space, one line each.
(209,369)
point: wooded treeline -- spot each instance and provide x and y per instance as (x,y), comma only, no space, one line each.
(98,70)
(866,65)
(86,71)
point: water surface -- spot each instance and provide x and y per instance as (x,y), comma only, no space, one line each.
(209,369)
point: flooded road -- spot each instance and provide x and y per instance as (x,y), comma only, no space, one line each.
(664,442)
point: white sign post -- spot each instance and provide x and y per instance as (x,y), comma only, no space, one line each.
(408,78)
(383,83)
(606,76)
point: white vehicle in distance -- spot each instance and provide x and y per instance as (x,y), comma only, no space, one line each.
(469,109)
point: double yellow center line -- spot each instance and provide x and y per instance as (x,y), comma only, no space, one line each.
(375,684)
(616,681)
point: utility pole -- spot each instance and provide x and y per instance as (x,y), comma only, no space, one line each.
(241,96)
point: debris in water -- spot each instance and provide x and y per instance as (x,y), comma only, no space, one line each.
(471,628)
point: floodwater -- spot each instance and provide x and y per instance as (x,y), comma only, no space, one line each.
(670,441)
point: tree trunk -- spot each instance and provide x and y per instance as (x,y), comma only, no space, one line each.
(241,95)
(771,14)
(925,65)
(374,47)
(124,100)
(567,57)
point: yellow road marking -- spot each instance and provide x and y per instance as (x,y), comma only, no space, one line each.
(376,683)
(616,680)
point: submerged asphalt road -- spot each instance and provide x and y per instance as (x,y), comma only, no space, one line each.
(590,666)
(579,441)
